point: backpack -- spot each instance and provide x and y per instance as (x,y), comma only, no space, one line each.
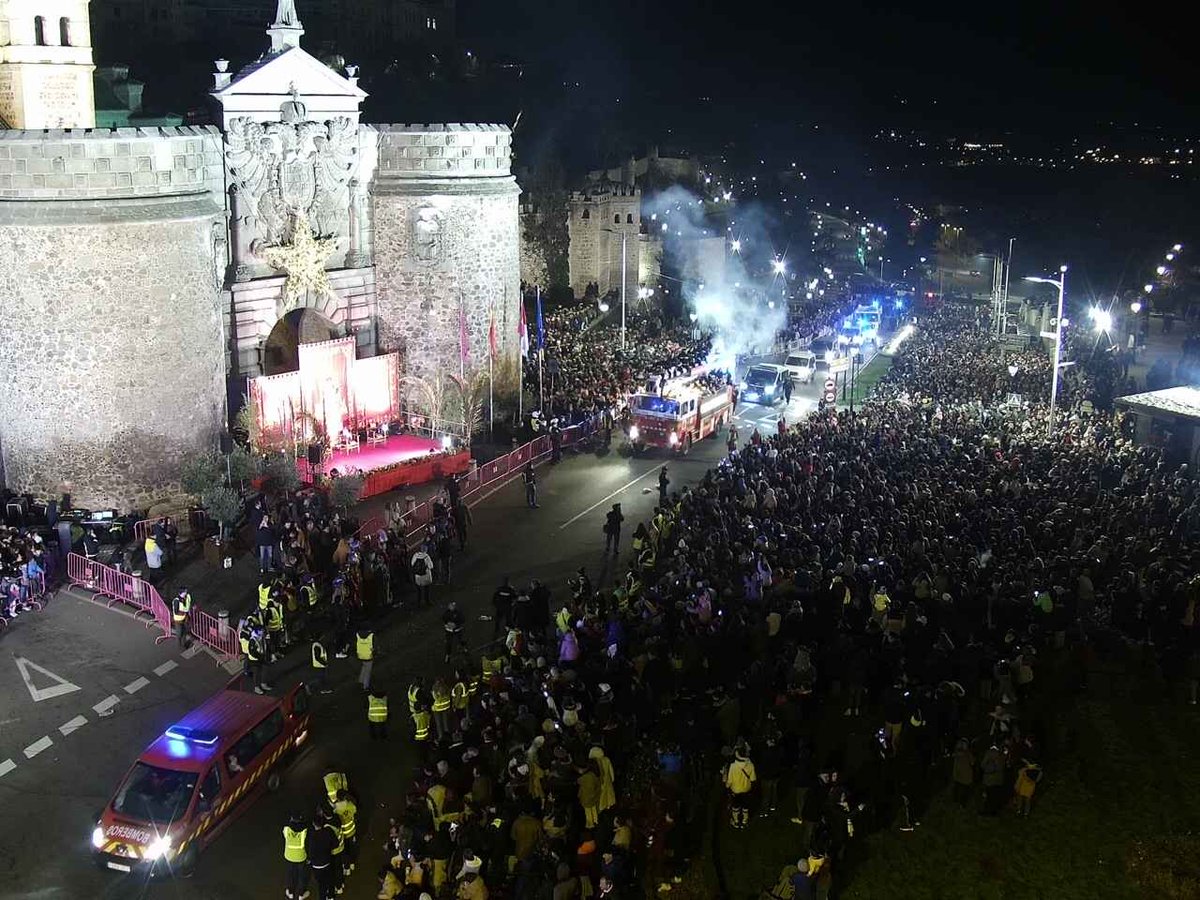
(420,567)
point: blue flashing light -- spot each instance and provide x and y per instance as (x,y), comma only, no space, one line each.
(177,749)
(191,735)
(899,304)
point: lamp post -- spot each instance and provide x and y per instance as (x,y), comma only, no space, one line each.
(1060,283)
(624,237)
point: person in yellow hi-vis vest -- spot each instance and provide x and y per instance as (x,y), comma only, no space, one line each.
(295,854)
(335,782)
(441,708)
(364,649)
(377,713)
(347,813)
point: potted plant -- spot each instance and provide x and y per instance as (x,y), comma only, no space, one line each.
(224,506)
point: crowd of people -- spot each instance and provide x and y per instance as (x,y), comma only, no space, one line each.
(23,565)
(837,622)
(585,370)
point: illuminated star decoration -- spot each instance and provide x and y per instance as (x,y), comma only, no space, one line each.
(303,259)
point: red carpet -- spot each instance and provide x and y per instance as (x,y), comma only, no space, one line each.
(376,456)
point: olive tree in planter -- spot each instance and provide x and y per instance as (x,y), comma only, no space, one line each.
(345,491)
(280,473)
(224,506)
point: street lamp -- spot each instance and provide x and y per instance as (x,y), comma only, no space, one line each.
(735,246)
(1148,288)
(1103,320)
(1012,371)
(624,237)
(881,268)
(1135,307)
(1059,283)
(778,266)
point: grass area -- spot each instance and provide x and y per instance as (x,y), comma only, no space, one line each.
(1116,817)
(868,376)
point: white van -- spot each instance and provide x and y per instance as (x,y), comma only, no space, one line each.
(801,365)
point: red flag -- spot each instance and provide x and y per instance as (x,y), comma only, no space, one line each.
(492,346)
(523,331)
(464,345)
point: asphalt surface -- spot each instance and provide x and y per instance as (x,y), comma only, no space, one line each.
(51,798)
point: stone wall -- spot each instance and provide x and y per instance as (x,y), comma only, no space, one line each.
(445,220)
(113,367)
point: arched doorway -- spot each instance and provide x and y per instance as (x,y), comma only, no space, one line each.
(281,351)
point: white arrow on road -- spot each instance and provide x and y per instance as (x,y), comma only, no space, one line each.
(61,686)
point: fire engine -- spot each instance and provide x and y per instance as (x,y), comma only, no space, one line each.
(675,413)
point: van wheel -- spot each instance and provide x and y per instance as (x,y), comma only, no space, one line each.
(273,780)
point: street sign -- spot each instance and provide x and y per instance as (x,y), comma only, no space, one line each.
(1049,335)
(830,393)
(842,364)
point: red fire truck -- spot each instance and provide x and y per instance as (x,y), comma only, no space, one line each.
(678,412)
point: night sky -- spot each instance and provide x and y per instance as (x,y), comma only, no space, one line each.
(941,65)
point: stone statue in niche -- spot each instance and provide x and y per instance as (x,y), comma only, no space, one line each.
(427,235)
(220,243)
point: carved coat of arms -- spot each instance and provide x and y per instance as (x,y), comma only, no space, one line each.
(292,167)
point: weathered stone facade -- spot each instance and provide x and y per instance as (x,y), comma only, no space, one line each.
(113,366)
(598,219)
(446,237)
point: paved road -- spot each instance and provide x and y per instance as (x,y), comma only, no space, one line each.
(52,798)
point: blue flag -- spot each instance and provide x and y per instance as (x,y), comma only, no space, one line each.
(541,326)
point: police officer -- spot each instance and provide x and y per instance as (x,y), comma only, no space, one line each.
(347,812)
(377,713)
(256,656)
(364,649)
(320,662)
(181,608)
(335,782)
(295,854)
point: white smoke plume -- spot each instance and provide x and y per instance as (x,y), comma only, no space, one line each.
(744,312)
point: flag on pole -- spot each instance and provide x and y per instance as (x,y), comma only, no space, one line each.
(523,331)
(541,345)
(493,349)
(464,346)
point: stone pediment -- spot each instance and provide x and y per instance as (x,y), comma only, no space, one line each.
(260,89)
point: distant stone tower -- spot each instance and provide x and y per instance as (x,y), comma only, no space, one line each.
(46,64)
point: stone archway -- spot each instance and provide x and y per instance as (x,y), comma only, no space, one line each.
(281,349)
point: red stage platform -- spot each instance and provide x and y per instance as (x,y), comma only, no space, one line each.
(400,460)
(369,457)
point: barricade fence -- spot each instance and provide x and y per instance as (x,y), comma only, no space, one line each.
(118,587)
(197,518)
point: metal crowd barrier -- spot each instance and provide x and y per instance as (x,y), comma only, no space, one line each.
(213,633)
(105,581)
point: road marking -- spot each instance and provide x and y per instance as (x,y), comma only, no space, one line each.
(74,725)
(39,694)
(105,706)
(166,667)
(192,650)
(136,685)
(38,746)
(624,487)
(7,766)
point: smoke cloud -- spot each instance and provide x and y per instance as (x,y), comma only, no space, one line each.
(743,311)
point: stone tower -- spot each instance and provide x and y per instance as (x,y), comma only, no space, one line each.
(445,213)
(46,64)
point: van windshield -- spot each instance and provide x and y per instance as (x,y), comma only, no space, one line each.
(155,795)
(799,359)
(760,376)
